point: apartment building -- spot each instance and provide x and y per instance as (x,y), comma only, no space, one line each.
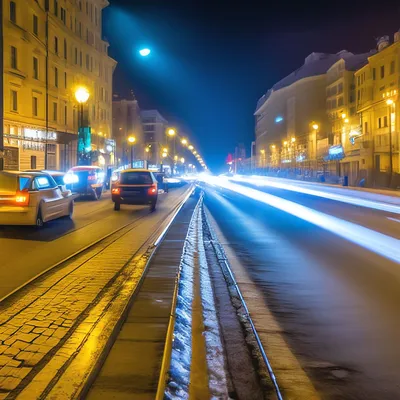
(127,123)
(377,88)
(154,132)
(52,48)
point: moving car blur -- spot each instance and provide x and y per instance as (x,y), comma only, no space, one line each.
(32,198)
(86,181)
(135,187)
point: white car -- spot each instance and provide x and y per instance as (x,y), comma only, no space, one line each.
(32,198)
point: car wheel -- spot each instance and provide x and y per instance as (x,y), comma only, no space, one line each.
(117,206)
(153,207)
(71,210)
(39,219)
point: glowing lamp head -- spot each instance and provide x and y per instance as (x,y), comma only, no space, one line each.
(184,142)
(285,143)
(190,147)
(389,102)
(315,126)
(176,158)
(262,151)
(131,139)
(164,155)
(346,120)
(182,160)
(144,52)
(293,139)
(146,149)
(343,115)
(165,150)
(82,95)
(273,147)
(171,132)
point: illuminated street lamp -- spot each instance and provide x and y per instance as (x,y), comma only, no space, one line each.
(182,160)
(165,150)
(164,155)
(144,52)
(285,143)
(190,147)
(171,132)
(293,139)
(194,152)
(131,141)
(184,142)
(315,126)
(175,158)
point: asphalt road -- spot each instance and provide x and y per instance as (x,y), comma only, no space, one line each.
(27,251)
(336,302)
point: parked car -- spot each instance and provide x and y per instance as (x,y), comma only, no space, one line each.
(32,198)
(86,181)
(135,187)
(58,176)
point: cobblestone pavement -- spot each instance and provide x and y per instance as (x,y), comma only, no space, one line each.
(68,313)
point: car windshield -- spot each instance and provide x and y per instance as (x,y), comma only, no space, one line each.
(136,178)
(59,179)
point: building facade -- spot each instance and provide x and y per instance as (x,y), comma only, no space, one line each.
(127,123)
(291,117)
(343,153)
(51,48)
(377,88)
(154,133)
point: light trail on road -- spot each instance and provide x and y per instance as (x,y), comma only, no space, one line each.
(376,242)
(347,198)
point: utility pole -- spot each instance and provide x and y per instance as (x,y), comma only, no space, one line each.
(1,90)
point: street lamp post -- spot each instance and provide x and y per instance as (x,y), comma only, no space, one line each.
(131,141)
(390,104)
(82,96)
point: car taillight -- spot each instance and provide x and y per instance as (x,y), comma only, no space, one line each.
(152,190)
(22,198)
(115,190)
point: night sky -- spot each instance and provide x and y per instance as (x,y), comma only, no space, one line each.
(212,60)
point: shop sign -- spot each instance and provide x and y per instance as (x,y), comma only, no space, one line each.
(335,153)
(39,135)
(35,146)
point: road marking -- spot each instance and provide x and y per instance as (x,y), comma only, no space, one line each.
(393,219)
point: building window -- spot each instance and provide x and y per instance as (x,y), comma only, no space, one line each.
(14,101)
(87,8)
(392,66)
(80,59)
(55,111)
(65,115)
(56,44)
(87,62)
(35,68)
(385,121)
(33,162)
(14,59)
(56,77)
(95,15)
(358,95)
(374,74)
(65,49)
(65,80)
(340,88)
(63,15)
(382,71)
(76,56)
(56,8)
(365,127)
(80,5)
(35,25)
(35,106)
(13,12)
(340,101)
